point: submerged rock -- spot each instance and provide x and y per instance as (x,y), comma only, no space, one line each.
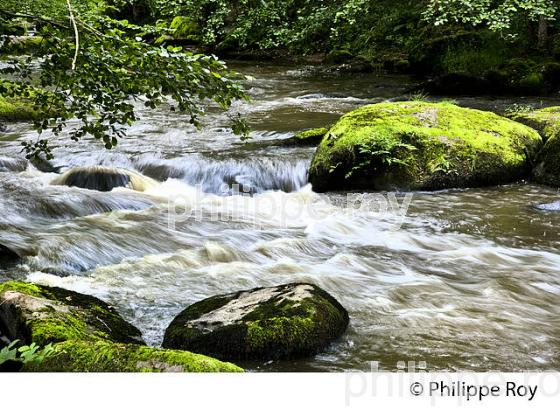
(288,321)
(102,356)
(42,314)
(45,165)
(7,256)
(418,145)
(547,122)
(104,179)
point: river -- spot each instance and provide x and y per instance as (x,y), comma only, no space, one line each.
(467,280)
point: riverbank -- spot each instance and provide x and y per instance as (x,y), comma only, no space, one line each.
(388,36)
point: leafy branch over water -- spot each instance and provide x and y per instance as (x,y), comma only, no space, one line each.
(93,68)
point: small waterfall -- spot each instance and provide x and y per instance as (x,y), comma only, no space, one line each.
(221,176)
(29,196)
(216,176)
(12,164)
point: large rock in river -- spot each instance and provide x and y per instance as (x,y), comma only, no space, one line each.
(42,314)
(547,122)
(288,321)
(419,145)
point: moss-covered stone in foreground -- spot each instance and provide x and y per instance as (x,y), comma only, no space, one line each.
(102,356)
(419,145)
(42,314)
(547,122)
(288,321)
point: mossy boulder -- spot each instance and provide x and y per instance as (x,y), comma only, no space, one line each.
(42,314)
(547,167)
(22,45)
(12,109)
(547,122)
(288,321)
(419,145)
(102,356)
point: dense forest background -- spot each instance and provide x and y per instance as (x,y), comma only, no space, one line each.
(420,36)
(512,44)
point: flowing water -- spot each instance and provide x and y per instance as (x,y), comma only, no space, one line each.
(470,281)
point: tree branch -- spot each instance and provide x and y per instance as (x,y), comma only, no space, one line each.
(76,34)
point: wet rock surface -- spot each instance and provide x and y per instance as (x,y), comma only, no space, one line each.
(422,146)
(7,257)
(104,179)
(288,321)
(40,314)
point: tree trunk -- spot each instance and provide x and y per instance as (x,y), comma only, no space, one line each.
(542,33)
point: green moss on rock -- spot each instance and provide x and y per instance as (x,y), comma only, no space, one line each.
(310,138)
(22,45)
(103,356)
(532,83)
(420,145)
(547,168)
(15,110)
(42,314)
(288,321)
(547,122)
